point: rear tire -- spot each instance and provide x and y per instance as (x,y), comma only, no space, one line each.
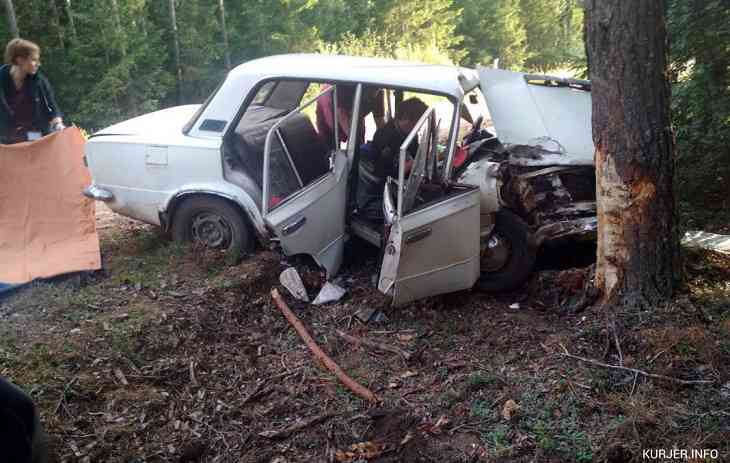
(214,222)
(508,257)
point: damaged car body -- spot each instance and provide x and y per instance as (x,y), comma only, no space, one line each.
(253,164)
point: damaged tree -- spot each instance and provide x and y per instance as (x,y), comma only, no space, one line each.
(638,246)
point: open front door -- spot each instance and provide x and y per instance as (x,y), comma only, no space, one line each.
(312,219)
(433,244)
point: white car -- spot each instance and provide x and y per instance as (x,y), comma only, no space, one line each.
(251,165)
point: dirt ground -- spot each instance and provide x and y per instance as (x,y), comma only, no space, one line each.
(173,354)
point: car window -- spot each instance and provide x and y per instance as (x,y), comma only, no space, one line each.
(263,93)
(302,142)
(186,128)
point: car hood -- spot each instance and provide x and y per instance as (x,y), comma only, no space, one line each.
(168,121)
(542,120)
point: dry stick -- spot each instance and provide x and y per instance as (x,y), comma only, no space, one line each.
(351,384)
(375,345)
(612,328)
(63,394)
(193,379)
(634,370)
(296,427)
(260,384)
(252,394)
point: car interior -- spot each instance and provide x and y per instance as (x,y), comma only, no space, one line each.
(300,155)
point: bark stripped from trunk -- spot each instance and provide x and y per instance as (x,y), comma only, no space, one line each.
(638,247)
(12,20)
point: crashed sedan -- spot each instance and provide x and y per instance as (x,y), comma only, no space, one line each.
(469,207)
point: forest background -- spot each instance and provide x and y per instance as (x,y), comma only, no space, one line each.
(110,60)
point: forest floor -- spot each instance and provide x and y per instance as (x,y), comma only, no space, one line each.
(174,354)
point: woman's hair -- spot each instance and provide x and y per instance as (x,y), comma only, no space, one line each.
(19,48)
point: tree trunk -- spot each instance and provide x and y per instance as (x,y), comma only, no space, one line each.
(55,18)
(119,32)
(71,22)
(12,20)
(226,50)
(176,46)
(638,245)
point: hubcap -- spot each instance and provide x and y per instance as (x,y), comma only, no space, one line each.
(495,253)
(212,230)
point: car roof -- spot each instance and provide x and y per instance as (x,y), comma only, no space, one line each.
(448,80)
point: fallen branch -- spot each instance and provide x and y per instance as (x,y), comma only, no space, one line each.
(281,433)
(256,390)
(193,379)
(375,345)
(66,389)
(351,384)
(633,370)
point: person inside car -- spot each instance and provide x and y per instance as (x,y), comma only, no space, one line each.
(371,102)
(379,158)
(28,108)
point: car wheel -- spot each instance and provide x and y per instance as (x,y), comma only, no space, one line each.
(507,258)
(213,222)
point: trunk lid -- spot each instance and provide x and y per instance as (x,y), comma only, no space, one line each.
(542,120)
(169,121)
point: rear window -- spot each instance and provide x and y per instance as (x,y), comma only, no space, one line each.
(186,128)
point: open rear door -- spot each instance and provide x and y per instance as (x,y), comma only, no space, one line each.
(433,246)
(311,220)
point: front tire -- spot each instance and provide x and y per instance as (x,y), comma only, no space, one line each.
(507,258)
(213,222)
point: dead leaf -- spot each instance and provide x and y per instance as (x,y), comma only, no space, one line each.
(437,427)
(406,337)
(409,374)
(363,451)
(120,376)
(510,409)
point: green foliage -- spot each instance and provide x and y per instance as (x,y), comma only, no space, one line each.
(554,32)
(493,30)
(109,61)
(699,32)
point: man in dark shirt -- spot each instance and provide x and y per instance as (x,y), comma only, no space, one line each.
(379,159)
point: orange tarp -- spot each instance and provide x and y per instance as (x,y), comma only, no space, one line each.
(47,227)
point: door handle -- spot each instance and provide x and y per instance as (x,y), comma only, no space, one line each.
(294,226)
(418,236)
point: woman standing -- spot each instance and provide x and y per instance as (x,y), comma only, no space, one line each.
(28,109)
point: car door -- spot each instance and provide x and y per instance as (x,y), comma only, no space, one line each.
(432,247)
(311,220)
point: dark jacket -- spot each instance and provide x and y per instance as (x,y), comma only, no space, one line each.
(21,437)
(45,107)
(386,146)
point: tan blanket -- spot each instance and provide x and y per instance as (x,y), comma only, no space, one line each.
(47,227)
